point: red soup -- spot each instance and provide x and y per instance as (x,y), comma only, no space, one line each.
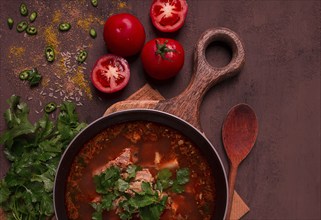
(140,170)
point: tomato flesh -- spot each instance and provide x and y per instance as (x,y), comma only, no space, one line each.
(110,74)
(168,15)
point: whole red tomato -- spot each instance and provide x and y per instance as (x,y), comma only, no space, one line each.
(110,74)
(124,34)
(162,58)
(168,15)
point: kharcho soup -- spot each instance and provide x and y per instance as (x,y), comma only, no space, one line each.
(140,170)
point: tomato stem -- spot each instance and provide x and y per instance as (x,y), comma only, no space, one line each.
(163,49)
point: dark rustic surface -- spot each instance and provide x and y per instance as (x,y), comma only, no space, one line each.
(281,80)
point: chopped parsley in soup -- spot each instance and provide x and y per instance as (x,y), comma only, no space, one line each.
(140,170)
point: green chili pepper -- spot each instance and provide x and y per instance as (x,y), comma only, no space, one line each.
(32,76)
(64,26)
(93,33)
(23,9)
(24,75)
(22,26)
(10,23)
(82,55)
(50,53)
(94,3)
(50,107)
(33,16)
(31,30)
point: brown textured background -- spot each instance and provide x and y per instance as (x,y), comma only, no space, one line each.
(281,80)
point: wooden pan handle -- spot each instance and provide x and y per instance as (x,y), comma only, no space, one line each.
(205,75)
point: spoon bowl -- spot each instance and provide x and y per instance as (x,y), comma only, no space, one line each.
(239,133)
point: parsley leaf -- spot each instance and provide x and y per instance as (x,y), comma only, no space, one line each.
(164,179)
(34,77)
(122,185)
(139,201)
(131,170)
(34,149)
(98,214)
(153,212)
(107,180)
(182,176)
(147,189)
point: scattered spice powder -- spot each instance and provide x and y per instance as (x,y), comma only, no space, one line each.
(56,17)
(122,5)
(16,52)
(45,82)
(89,21)
(63,79)
(16,58)
(118,6)
(51,37)
(79,79)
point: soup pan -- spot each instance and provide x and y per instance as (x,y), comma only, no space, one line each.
(155,116)
(180,113)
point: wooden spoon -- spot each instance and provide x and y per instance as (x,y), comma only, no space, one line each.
(239,133)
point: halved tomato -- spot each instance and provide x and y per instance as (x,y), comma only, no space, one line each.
(168,15)
(110,74)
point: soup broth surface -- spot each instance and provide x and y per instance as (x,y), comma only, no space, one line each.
(153,147)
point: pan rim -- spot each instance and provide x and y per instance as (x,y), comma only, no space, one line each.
(148,112)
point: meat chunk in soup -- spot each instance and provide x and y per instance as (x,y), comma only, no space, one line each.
(123,160)
(141,176)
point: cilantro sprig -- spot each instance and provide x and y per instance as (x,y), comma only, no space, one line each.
(149,203)
(34,151)
(165,181)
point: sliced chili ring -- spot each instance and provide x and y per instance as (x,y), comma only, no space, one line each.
(24,75)
(31,30)
(10,23)
(33,16)
(82,56)
(93,33)
(94,3)
(64,26)
(50,53)
(50,107)
(22,26)
(23,9)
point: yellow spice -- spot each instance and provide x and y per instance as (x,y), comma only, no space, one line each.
(51,37)
(88,22)
(56,17)
(122,5)
(79,80)
(17,51)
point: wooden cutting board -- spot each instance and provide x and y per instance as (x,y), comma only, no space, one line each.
(143,96)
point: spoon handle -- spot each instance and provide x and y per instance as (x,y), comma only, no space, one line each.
(231,185)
